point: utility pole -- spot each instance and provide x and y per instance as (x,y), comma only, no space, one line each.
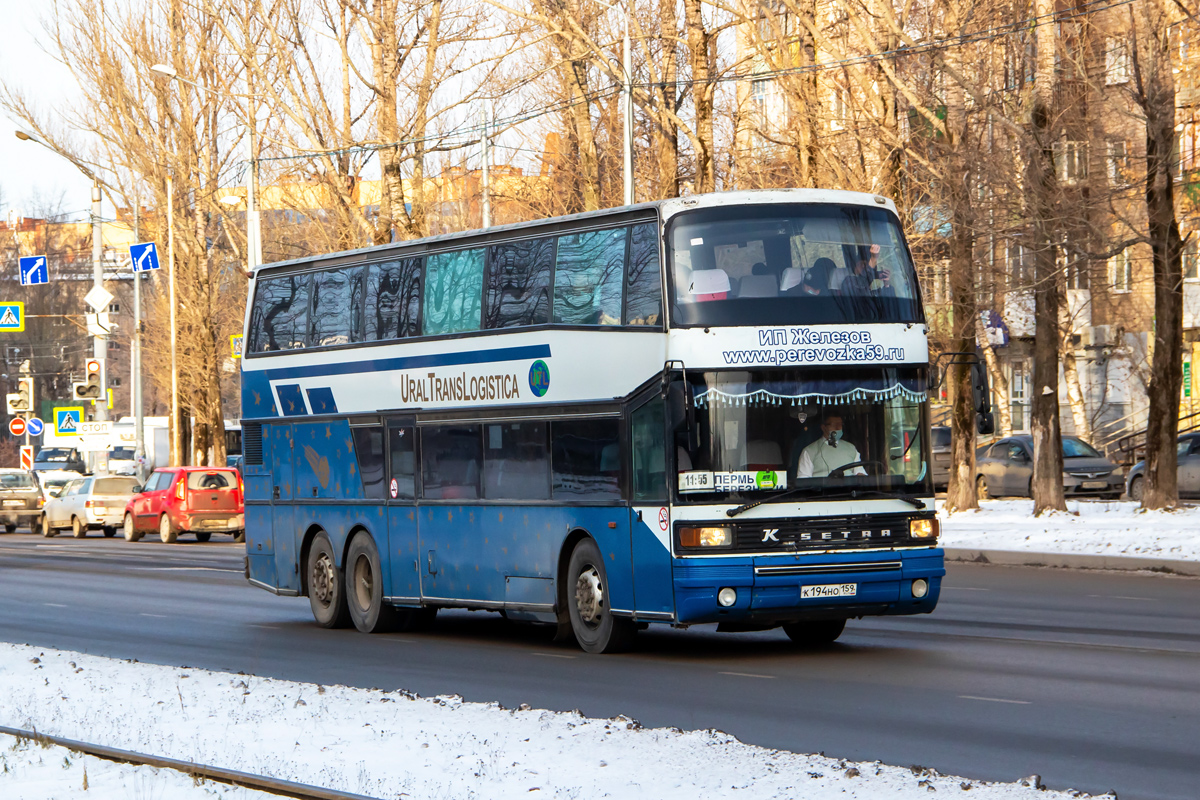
(100,346)
(627,111)
(139,420)
(176,438)
(487,157)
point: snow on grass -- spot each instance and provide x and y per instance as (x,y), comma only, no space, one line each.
(395,744)
(35,771)
(1091,527)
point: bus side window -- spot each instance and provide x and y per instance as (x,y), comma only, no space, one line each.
(368,447)
(453,292)
(586,459)
(648,431)
(516,464)
(518,284)
(331,308)
(402,450)
(280,318)
(643,297)
(589,278)
(393,300)
(450,462)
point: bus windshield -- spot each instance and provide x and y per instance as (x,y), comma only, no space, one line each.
(816,432)
(790,264)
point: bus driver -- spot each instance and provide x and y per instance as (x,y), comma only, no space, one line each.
(829,452)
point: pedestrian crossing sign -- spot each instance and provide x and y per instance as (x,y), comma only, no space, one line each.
(12,317)
(66,420)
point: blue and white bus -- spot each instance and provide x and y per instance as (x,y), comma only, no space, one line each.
(711,409)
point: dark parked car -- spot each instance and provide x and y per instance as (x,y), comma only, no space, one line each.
(1187,456)
(1006,468)
(939,443)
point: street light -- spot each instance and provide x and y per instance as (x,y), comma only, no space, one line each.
(626,103)
(100,341)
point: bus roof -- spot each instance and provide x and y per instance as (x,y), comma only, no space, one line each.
(664,209)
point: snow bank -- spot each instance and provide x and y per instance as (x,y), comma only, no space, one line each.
(395,744)
(1090,527)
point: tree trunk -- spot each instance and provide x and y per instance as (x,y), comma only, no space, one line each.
(960,493)
(384,59)
(420,223)
(1040,188)
(700,52)
(666,135)
(1079,415)
(1156,96)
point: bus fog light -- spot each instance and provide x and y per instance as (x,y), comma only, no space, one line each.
(727,597)
(920,588)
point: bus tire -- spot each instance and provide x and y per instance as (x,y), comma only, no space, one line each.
(595,627)
(364,587)
(815,633)
(78,529)
(131,534)
(326,588)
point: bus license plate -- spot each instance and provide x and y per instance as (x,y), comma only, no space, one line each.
(829,590)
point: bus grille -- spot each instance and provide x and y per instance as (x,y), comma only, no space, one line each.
(823,533)
(252,442)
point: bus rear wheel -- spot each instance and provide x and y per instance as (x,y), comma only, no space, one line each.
(326,590)
(815,633)
(364,596)
(592,620)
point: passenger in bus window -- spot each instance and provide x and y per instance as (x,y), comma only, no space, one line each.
(829,452)
(868,277)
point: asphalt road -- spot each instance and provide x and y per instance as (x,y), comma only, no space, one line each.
(1090,680)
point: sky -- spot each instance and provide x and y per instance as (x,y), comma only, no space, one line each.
(28,170)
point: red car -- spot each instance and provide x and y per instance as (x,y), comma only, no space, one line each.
(196,500)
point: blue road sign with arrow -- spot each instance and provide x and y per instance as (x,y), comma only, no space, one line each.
(35,426)
(144,256)
(33,270)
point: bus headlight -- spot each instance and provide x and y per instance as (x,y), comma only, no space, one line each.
(920,588)
(727,597)
(923,528)
(705,537)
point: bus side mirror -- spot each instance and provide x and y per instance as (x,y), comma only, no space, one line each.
(681,412)
(981,391)
(985,423)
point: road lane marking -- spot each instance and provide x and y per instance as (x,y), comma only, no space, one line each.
(55,605)
(185,569)
(268,627)
(747,675)
(995,700)
(1124,597)
(160,616)
(555,655)
(965,589)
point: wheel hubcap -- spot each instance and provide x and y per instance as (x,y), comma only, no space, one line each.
(589,597)
(363,582)
(323,579)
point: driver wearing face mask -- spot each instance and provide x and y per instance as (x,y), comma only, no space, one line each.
(829,452)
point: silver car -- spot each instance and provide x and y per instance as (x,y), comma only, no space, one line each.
(20,499)
(87,504)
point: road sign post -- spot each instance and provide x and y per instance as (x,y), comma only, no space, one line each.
(26,457)
(33,270)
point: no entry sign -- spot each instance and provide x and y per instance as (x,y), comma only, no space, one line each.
(16,426)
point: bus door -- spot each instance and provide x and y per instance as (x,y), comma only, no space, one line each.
(650,524)
(280,447)
(400,558)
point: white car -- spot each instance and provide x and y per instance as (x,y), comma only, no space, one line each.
(53,480)
(88,503)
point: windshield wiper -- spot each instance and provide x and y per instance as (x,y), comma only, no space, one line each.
(912,501)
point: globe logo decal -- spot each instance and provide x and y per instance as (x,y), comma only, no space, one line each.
(539,378)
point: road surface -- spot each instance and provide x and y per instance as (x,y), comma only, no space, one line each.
(1091,680)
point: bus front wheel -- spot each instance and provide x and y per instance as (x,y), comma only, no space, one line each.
(326,591)
(364,595)
(812,634)
(595,627)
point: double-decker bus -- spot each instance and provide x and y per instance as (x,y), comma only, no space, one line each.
(711,409)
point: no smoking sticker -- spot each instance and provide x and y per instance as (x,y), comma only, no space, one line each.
(394,488)
(662,519)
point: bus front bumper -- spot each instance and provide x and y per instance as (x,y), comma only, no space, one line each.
(775,589)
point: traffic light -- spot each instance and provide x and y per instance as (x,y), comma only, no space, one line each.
(93,387)
(21,400)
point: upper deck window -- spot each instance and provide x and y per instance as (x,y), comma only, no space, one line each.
(791,264)
(518,287)
(643,295)
(335,314)
(393,300)
(280,316)
(589,278)
(453,292)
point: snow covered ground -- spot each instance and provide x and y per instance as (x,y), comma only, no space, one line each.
(1091,527)
(390,744)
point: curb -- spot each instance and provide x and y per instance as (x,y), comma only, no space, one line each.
(1018,558)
